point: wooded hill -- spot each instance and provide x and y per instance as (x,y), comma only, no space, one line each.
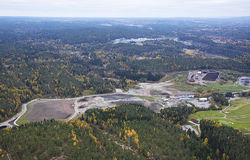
(127,131)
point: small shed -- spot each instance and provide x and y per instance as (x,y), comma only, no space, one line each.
(203,99)
(195,121)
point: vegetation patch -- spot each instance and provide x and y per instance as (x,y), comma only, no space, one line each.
(236,116)
(52,139)
(23,118)
(227,85)
(225,142)
(126,131)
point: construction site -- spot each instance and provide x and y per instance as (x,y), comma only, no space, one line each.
(155,96)
(203,76)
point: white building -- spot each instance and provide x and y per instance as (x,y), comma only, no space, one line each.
(203,99)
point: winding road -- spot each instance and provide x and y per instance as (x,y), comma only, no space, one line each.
(17,116)
(144,90)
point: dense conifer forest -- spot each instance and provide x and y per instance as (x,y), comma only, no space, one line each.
(127,131)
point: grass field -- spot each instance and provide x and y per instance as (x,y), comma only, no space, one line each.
(23,118)
(225,87)
(180,83)
(236,116)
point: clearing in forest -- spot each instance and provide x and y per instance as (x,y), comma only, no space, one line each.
(237,115)
(180,82)
(50,109)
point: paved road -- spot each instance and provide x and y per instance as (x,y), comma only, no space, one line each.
(76,104)
(76,113)
(5,124)
(186,127)
(17,116)
(24,109)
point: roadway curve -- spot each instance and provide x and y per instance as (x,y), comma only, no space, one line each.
(24,110)
(17,116)
(143,91)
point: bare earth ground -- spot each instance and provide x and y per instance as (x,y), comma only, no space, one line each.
(54,109)
(149,94)
(105,101)
(159,88)
(153,90)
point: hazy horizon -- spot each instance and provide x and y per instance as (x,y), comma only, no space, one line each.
(62,17)
(126,9)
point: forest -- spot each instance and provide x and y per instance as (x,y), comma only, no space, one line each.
(126,131)
(179,114)
(73,57)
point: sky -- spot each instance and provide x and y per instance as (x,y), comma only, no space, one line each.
(125,8)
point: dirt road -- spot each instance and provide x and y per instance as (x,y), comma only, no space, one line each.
(49,108)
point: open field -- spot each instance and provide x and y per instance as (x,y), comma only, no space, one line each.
(47,109)
(237,115)
(238,108)
(179,81)
(225,87)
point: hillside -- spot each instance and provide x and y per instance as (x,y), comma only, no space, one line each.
(127,131)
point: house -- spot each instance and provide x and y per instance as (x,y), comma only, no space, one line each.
(203,99)
(195,121)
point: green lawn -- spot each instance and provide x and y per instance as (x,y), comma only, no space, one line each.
(180,83)
(237,115)
(225,87)
(239,107)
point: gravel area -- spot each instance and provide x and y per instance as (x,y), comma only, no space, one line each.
(54,109)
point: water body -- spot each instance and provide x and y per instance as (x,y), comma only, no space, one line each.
(138,40)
